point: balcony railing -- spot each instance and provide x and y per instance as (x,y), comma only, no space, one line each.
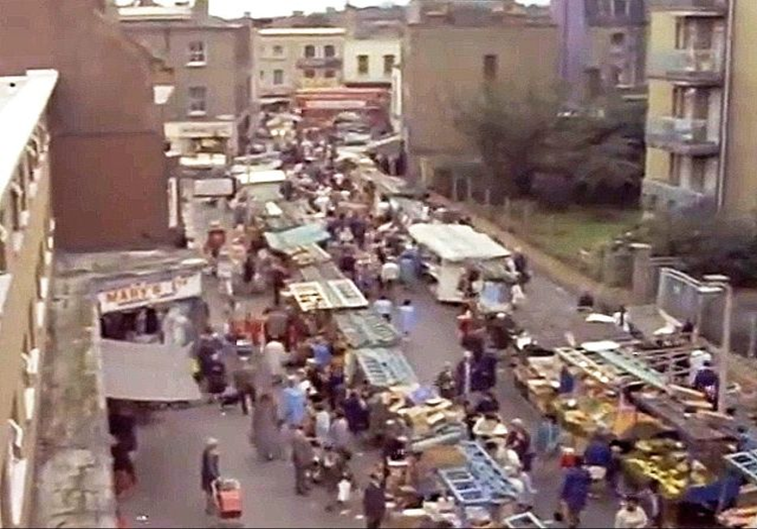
(714,7)
(694,66)
(681,135)
(660,195)
(319,62)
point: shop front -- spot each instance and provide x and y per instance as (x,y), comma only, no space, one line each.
(202,138)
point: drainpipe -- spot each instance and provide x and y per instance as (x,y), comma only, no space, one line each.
(726,105)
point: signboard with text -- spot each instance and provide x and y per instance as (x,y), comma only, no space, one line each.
(143,293)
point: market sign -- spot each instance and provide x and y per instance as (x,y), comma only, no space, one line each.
(144,293)
(335,104)
(207,129)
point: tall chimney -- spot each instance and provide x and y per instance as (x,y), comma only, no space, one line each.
(202,7)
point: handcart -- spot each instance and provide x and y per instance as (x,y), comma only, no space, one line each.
(228,497)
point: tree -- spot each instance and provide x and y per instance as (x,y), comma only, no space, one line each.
(505,123)
(593,152)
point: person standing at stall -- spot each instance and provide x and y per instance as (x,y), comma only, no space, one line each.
(574,493)
(384,307)
(445,382)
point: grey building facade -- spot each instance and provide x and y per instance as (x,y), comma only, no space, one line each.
(209,110)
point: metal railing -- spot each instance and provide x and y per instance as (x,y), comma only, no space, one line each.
(689,5)
(694,64)
(677,130)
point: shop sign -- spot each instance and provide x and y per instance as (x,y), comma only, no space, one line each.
(218,129)
(335,104)
(144,293)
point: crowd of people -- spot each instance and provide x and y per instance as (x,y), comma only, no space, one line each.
(294,386)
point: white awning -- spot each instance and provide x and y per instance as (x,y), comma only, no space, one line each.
(456,242)
(147,372)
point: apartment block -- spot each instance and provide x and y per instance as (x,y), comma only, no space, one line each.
(602,45)
(451,51)
(702,79)
(211,58)
(26,247)
(373,45)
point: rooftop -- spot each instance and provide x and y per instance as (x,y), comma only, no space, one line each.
(285,32)
(23,100)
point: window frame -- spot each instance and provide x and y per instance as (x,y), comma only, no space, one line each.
(197,58)
(278,50)
(390,60)
(191,100)
(329,74)
(309,73)
(307,50)
(278,77)
(363,64)
(490,66)
(329,51)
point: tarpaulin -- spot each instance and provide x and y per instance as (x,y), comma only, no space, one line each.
(147,372)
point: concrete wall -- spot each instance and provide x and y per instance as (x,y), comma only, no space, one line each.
(21,330)
(443,68)
(104,100)
(740,196)
(375,49)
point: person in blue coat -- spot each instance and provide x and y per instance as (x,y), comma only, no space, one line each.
(574,493)
(295,404)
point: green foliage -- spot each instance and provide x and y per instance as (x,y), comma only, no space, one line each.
(708,244)
(597,149)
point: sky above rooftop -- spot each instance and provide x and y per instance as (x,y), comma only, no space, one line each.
(270,8)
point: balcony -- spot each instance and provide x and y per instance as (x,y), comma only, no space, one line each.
(714,8)
(681,136)
(659,196)
(694,67)
(319,62)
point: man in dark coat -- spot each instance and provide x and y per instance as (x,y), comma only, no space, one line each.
(374,503)
(210,472)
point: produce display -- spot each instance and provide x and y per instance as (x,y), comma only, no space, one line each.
(586,415)
(310,296)
(739,517)
(308,255)
(345,294)
(385,367)
(666,461)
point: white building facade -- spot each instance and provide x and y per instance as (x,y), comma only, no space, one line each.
(371,61)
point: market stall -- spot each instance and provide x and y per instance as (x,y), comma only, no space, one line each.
(497,280)
(365,328)
(260,185)
(293,240)
(382,368)
(446,250)
(327,295)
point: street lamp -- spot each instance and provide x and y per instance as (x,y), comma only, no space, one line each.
(714,283)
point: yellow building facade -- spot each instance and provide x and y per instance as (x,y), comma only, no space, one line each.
(700,124)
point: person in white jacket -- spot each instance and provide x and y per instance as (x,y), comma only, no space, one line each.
(631,515)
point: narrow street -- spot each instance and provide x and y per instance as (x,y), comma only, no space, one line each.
(168,461)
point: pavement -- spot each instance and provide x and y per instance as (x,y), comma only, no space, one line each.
(168,462)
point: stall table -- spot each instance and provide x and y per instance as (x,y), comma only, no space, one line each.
(384,368)
(327,295)
(365,328)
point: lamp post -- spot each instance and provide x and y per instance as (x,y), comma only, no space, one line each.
(722,284)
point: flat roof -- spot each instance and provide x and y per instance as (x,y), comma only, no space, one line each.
(457,242)
(23,101)
(284,32)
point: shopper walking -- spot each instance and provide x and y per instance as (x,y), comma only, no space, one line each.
(374,503)
(303,457)
(210,472)
(407,318)
(266,432)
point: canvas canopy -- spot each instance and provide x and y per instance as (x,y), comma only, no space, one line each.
(299,236)
(456,242)
(147,372)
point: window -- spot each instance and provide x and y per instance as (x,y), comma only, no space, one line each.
(329,74)
(278,77)
(618,39)
(362,64)
(278,50)
(329,51)
(388,64)
(621,7)
(198,100)
(309,51)
(490,67)
(262,75)
(197,53)
(310,74)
